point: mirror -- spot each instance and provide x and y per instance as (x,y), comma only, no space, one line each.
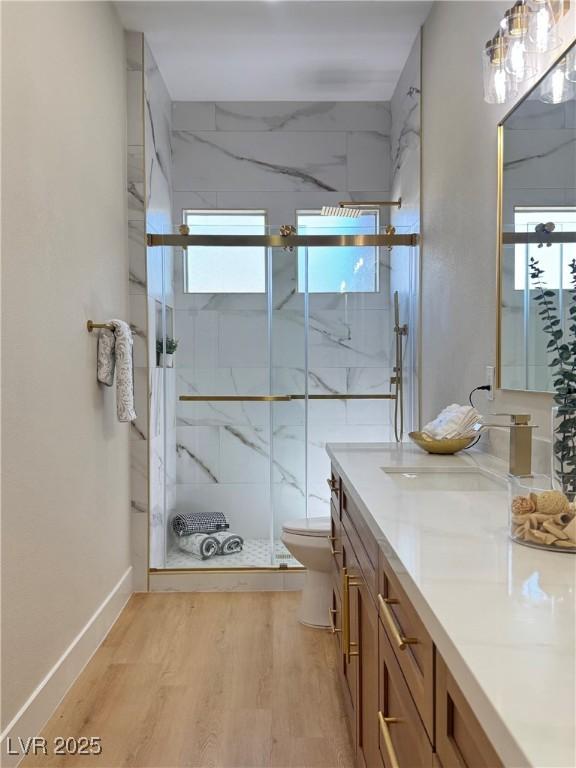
(537,226)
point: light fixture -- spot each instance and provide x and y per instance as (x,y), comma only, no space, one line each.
(519,62)
(527,31)
(570,73)
(542,30)
(556,88)
(499,86)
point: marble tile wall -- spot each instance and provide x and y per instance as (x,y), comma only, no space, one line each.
(159,305)
(153,445)
(139,444)
(279,157)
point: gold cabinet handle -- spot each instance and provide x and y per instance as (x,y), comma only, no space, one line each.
(387,739)
(345,616)
(333,612)
(347,582)
(335,552)
(401,640)
(333,485)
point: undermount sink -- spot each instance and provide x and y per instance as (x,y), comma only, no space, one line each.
(472,480)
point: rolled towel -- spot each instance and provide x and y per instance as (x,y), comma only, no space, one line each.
(228,543)
(454,421)
(202,545)
(198,522)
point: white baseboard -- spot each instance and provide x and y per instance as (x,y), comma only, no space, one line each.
(41,704)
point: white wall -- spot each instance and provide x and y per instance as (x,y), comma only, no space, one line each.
(459,212)
(65,463)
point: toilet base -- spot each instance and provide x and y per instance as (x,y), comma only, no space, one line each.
(316,600)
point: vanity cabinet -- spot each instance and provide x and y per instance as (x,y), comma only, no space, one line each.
(460,740)
(410,641)
(404,708)
(403,740)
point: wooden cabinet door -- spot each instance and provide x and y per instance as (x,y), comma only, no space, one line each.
(403,741)
(349,634)
(460,740)
(366,620)
(410,641)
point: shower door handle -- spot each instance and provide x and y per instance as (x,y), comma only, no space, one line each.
(235,398)
(278,398)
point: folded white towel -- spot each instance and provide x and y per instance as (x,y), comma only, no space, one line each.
(115,353)
(454,421)
(106,357)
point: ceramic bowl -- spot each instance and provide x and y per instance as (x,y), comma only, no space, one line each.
(446,446)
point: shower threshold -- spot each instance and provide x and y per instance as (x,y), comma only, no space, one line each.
(257,553)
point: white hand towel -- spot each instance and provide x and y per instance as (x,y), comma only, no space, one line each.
(106,357)
(115,353)
(454,421)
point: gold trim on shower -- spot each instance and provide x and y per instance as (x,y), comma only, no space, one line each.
(280,241)
(235,398)
(537,238)
(280,568)
(277,398)
(371,203)
(499,254)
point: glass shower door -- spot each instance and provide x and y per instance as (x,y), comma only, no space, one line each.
(264,377)
(240,378)
(349,345)
(222,388)
(288,419)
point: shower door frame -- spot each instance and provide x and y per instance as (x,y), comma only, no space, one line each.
(270,242)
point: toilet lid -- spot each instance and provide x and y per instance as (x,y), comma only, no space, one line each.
(312,526)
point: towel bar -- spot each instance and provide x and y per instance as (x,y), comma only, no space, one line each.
(91,325)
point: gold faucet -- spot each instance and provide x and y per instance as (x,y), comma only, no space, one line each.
(520,455)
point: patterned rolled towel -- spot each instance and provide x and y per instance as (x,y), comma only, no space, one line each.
(198,522)
(202,545)
(228,543)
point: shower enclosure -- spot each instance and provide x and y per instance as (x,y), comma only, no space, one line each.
(284,343)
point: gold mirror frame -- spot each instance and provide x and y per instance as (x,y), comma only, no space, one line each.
(500,218)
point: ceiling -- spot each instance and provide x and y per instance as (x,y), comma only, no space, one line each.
(278,50)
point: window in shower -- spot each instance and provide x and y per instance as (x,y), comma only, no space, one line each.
(338,269)
(225,269)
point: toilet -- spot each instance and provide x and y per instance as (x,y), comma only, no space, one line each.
(307,540)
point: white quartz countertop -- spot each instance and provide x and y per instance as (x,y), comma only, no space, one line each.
(502,615)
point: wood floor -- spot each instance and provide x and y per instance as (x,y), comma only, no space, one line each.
(228,680)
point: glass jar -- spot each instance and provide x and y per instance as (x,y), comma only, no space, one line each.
(563,466)
(541,516)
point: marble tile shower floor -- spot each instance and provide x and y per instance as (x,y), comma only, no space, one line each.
(257,553)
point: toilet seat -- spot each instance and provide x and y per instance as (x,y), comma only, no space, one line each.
(312,526)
